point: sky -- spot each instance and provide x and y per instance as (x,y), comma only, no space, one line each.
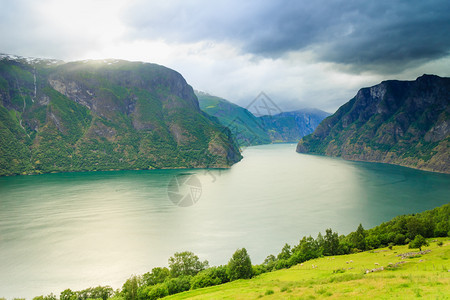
(299,53)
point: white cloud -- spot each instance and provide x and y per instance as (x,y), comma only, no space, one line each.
(222,48)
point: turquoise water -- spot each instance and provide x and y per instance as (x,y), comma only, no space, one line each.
(77,230)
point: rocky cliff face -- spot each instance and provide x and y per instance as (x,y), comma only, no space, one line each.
(102,115)
(292,126)
(396,122)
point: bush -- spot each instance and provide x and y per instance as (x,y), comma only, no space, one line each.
(205,278)
(158,291)
(258,270)
(178,285)
(269,292)
(240,265)
(399,239)
(282,264)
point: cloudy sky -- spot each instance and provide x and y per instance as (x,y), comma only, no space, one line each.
(300,53)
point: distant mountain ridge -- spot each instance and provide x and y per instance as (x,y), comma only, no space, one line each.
(245,127)
(252,130)
(103,115)
(398,122)
(293,125)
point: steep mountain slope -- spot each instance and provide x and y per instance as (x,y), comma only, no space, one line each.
(397,122)
(292,126)
(251,130)
(102,115)
(246,128)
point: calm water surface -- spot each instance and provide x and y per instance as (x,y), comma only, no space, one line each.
(77,230)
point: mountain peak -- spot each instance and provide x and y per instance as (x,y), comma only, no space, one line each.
(398,122)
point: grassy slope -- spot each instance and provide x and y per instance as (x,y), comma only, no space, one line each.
(426,276)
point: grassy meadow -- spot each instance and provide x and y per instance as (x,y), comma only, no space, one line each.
(336,277)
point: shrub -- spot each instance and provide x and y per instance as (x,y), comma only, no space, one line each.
(205,278)
(269,292)
(178,285)
(157,291)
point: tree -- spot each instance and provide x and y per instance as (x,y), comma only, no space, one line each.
(414,227)
(130,288)
(418,242)
(285,252)
(157,275)
(399,239)
(68,295)
(319,242)
(48,297)
(240,265)
(269,262)
(359,238)
(330,243)
(372,241)
(186,264)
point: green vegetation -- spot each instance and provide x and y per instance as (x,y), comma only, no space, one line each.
(403,126)
(246,128)
(250,130)
(240,265)
(89,116)
(292,126)
(325,266)
(418,242)
(186,264)
(425,277)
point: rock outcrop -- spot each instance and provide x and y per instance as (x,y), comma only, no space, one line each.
(103,115)
(396,122)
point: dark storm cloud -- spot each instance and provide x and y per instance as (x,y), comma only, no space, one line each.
(382,36)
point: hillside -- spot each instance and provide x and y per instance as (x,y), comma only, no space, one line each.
(292,126)
(103,115)
(345,277)
(246,128)
(251,130)
(397,122)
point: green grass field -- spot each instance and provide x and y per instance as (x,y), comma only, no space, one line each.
(424,276)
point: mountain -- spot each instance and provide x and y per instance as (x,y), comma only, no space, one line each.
(251,130)
(397,122)
(103,115)
(292,126)
(246,128)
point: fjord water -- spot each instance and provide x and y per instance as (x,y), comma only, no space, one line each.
(76,230)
